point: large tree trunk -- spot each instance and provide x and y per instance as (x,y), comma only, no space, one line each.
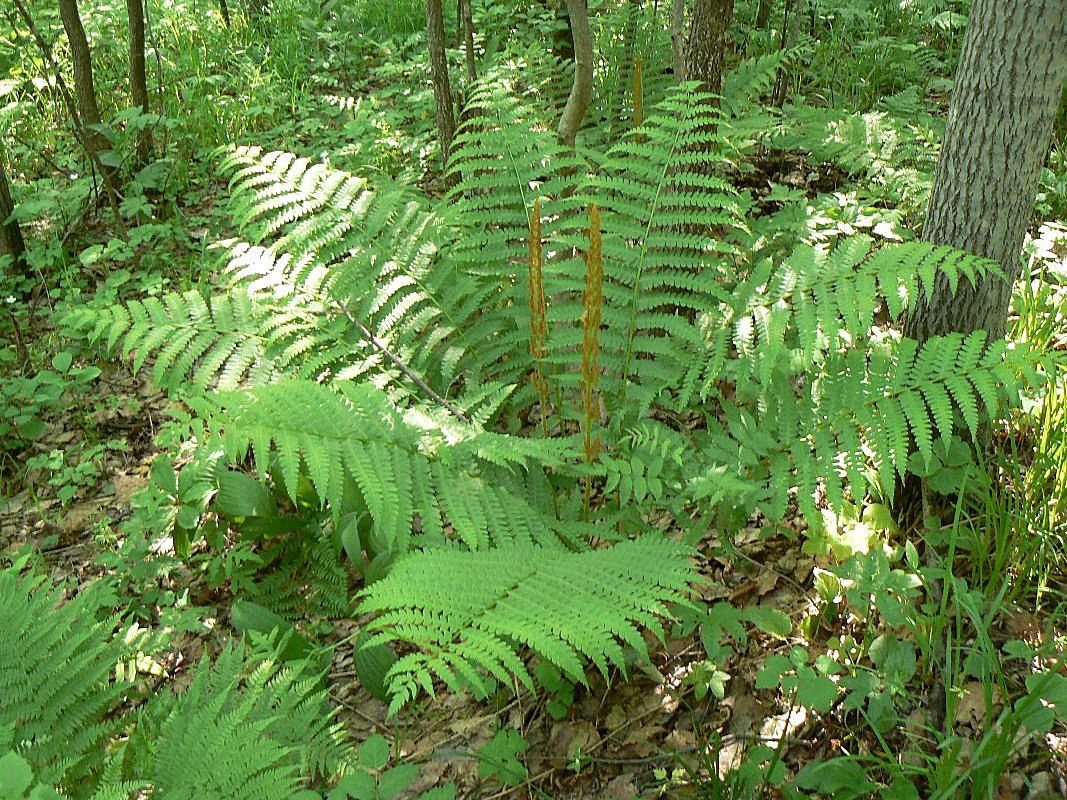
(582,89)
(1008,87)
(468,36)
(11,241)
(138,79)
(442,89)
(678,40)
(84,89)
(706,51)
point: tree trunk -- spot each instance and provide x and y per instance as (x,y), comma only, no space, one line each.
(763,14)
(562,36)
(84,89)
(11,241)
(138,80)
(442,89)
(468,35)
(678,40)
(790,31)
(1008,86)
(225,11)
(582,89)
(706,50)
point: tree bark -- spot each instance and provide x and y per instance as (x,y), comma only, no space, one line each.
(678,40)
(138,79)
(706,50)
(468,35)
(582,89)
(11,241)
(442,88)
(1008,86)
(84,89)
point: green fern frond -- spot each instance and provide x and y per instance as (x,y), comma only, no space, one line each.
(224,340)
(665,215)
(467,611)
(266,728)
(351,433)
(56,679)
(784,316)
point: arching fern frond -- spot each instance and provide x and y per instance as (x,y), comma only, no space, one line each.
(351,433)
(568,608)
(786,315)
(223,340)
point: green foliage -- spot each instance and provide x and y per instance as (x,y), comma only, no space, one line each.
(517,593)
(265,726)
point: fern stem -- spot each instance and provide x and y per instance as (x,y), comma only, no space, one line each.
(632,328)
(592,306)
(538,321)
(383,348)
(638,94)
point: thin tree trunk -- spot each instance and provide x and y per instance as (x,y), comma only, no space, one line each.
(763,14)
(225,11)
(138,80)
(442,88)
(11,241)
(790,31)
(1008,87)
(582,89)
(678,40)
(706,50)
(468,35)
(562,36)
(84,89)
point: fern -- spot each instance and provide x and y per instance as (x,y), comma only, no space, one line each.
(266,728)
(222,341)
(351,443)
(55,680)
(565,606)
(665,258)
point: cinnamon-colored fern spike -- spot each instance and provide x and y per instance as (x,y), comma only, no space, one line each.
(592,305)
(538,321)
(638,93)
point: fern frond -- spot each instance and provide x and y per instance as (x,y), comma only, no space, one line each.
(351,433)
(55,679)
(466,611)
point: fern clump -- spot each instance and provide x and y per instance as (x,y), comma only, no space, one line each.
(266,727)
(56,679)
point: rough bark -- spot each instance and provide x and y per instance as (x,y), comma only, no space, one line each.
(138,79)
(468,36)
(442,88)
(582,88)
(706,49)
(678,40)
(11,241)
(1008,86)
(84,88)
